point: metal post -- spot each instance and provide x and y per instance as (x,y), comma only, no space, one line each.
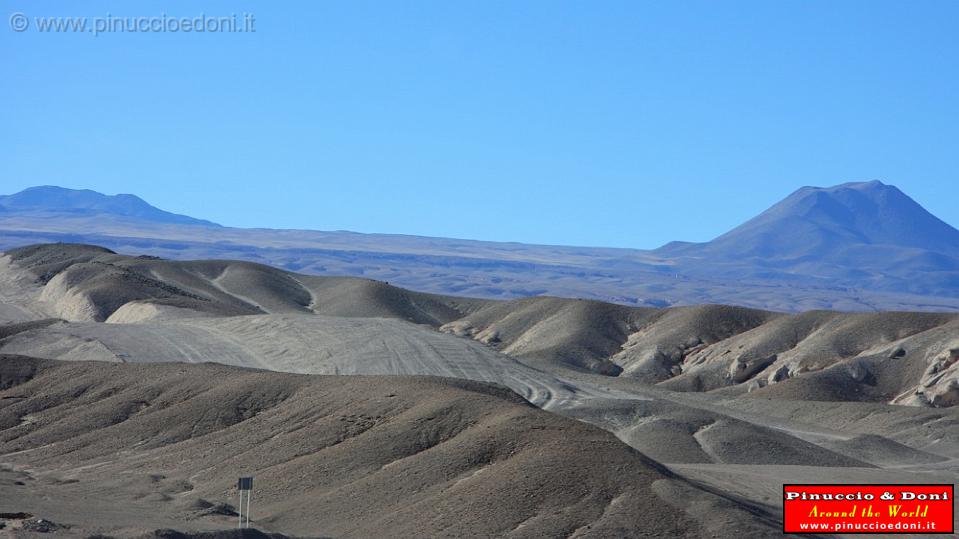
(244,483)
(249,495)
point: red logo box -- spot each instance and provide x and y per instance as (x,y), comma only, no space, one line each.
(872,509)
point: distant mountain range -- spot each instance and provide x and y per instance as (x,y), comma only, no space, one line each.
(856,246)
(55,202)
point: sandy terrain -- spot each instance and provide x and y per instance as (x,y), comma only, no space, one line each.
(888,357)
(126,448)
(724,403)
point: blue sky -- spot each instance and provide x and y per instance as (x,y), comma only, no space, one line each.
(586,123)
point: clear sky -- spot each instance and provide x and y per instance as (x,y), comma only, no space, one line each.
(585,123)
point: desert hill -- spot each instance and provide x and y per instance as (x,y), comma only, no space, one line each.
(369,327)
(886,357)
(147,445)
(89,283)
(725,401)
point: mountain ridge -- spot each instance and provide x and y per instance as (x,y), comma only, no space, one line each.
(869,212)
(858,246)
(51,198)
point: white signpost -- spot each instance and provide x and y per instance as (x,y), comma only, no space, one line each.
(245,484)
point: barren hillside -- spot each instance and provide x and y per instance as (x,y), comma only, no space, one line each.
(891,357)
(119,448)
(731,400)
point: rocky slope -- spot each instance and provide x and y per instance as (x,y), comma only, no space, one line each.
(338,456)
(908,358)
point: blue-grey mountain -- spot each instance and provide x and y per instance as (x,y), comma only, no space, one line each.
(856,247)
(56,202)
